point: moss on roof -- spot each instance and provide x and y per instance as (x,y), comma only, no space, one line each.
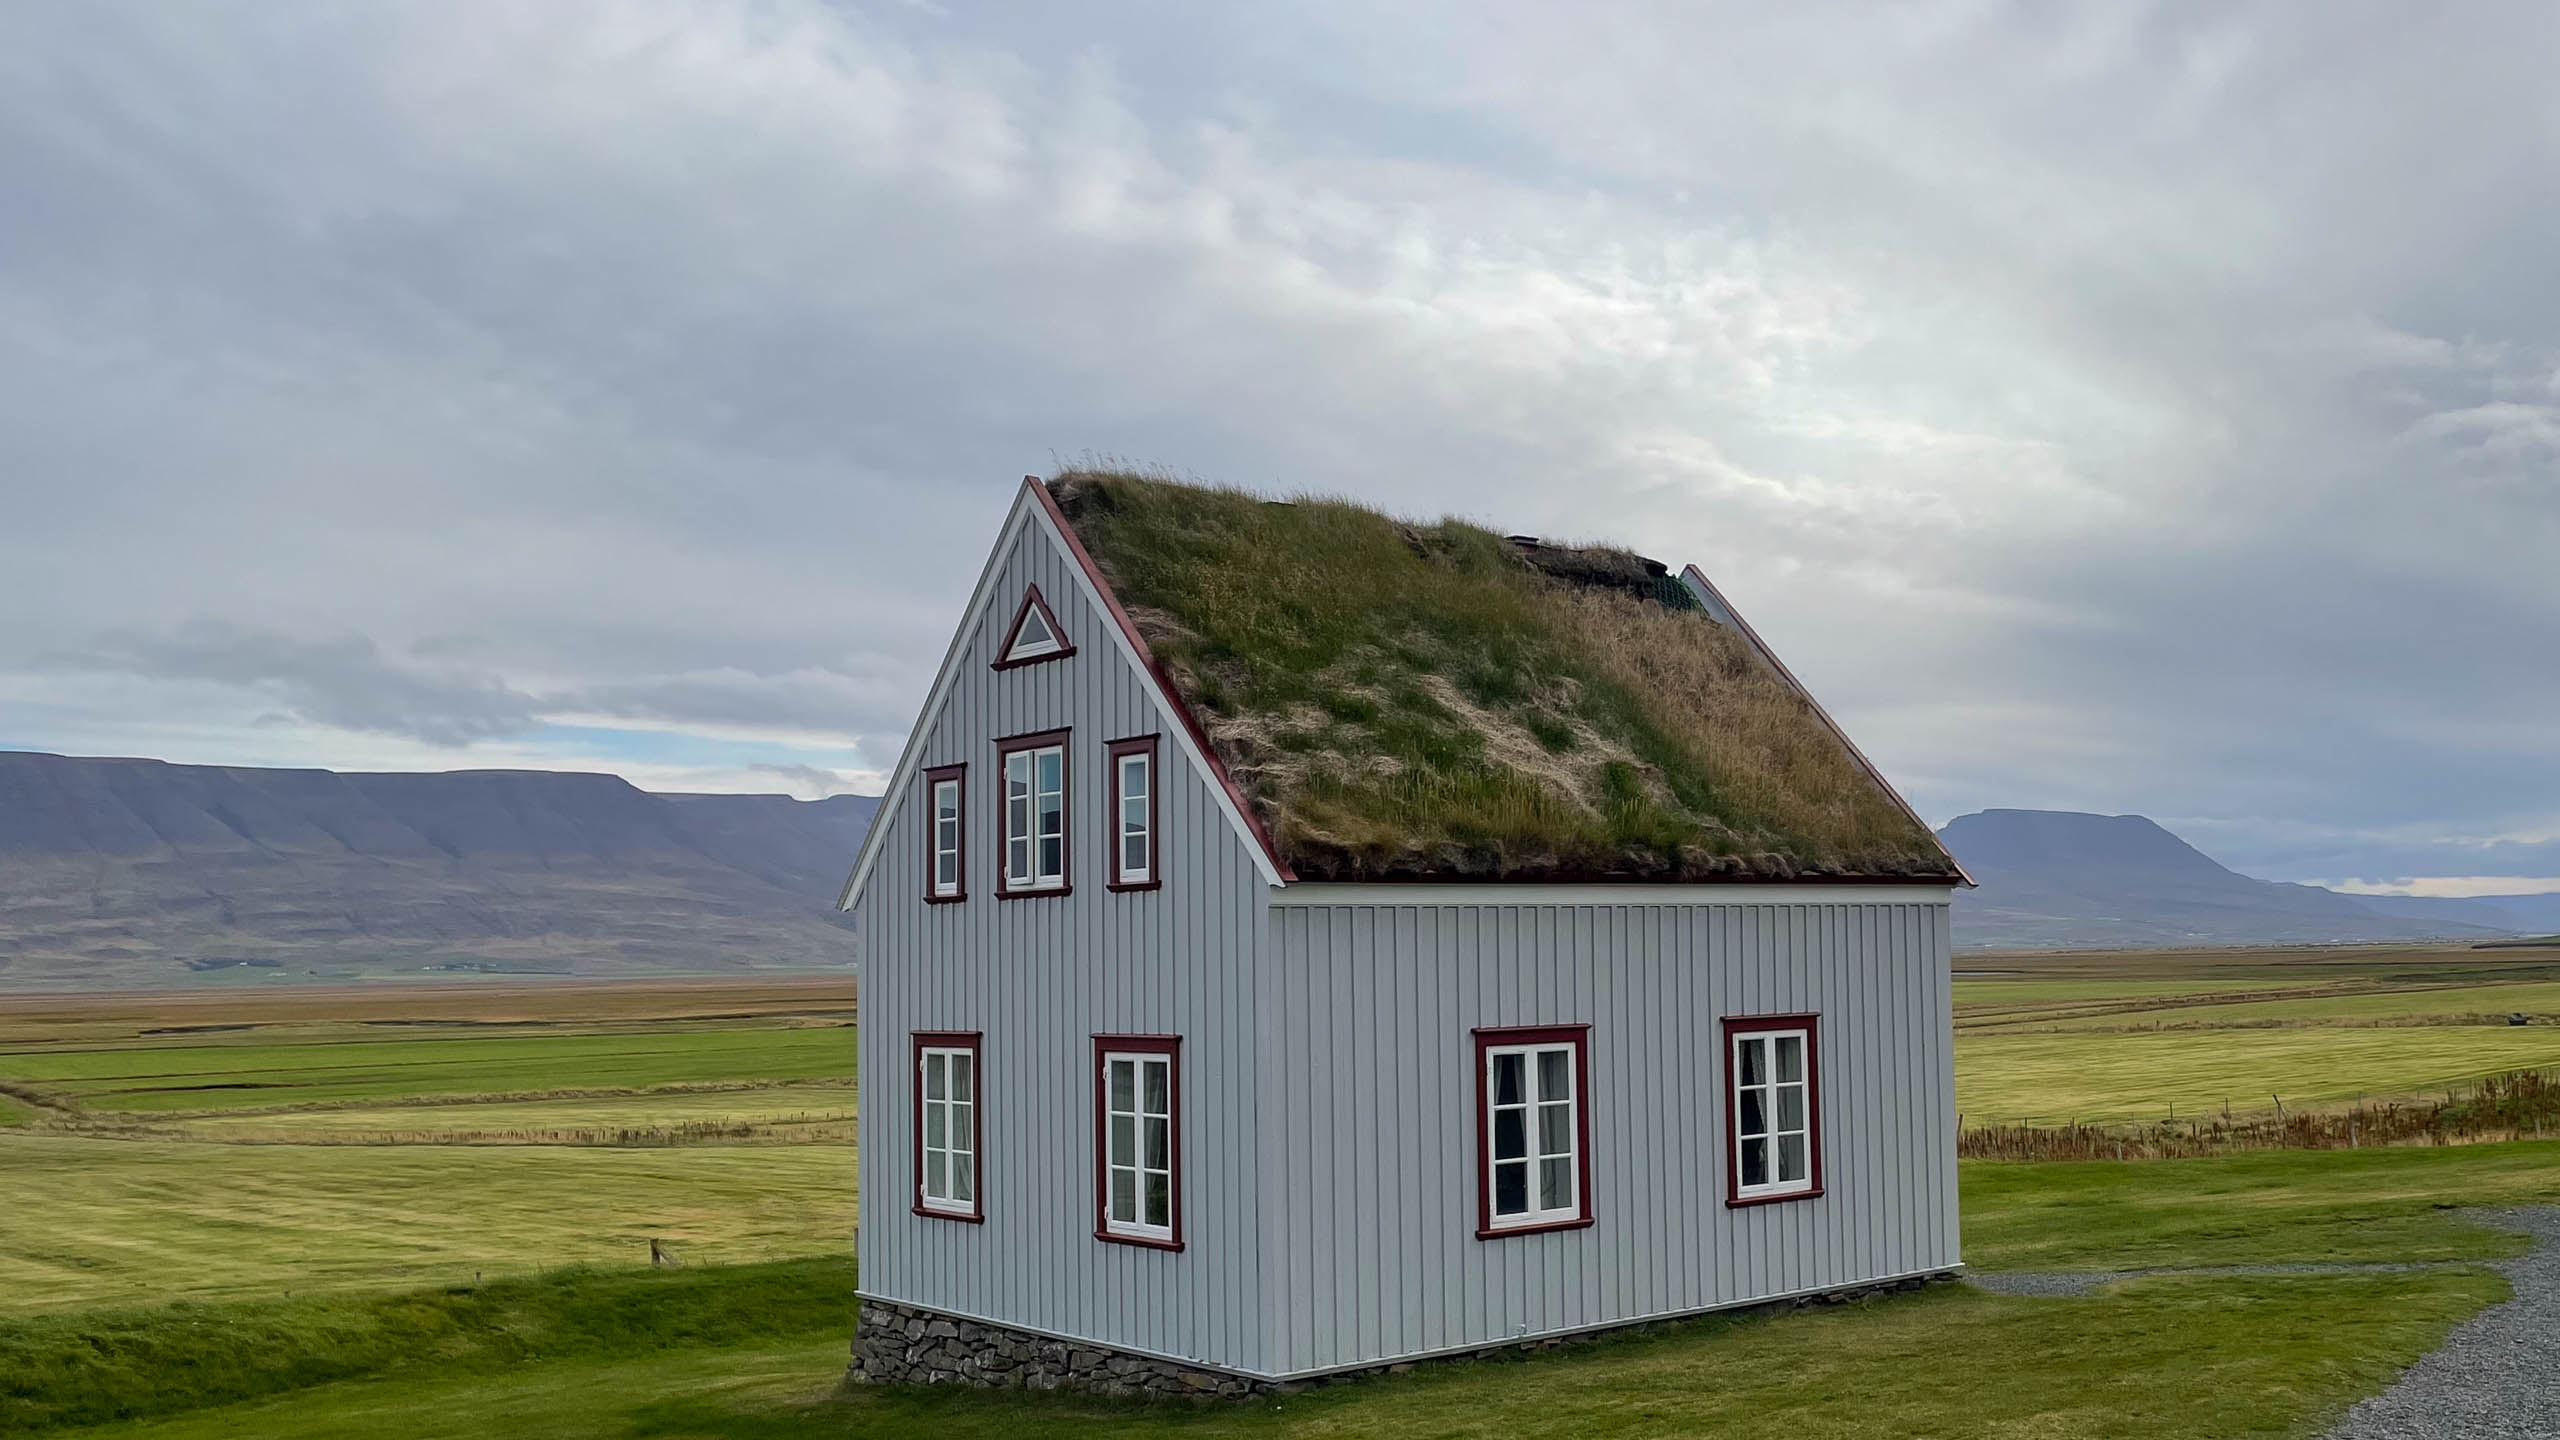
(1406,701)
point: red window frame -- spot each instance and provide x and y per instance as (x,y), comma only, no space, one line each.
(1104,1046)
(1004,652)
(1492,1037)
(1138,745)
(934,779)
(1737,1025)
(973,1042)
(1005,749)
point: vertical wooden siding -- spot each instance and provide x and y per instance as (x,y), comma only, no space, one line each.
(1042,976)
(1373,1088)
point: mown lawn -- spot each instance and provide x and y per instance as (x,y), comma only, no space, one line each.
(151,1078)
(94,1222)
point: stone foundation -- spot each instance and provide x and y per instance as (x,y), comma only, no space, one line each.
(901,1345)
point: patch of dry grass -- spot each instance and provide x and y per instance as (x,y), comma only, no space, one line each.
(1402,699)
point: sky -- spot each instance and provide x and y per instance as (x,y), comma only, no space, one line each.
(2119,407)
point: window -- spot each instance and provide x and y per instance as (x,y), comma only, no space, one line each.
(1034,861)
(1033,636)
(1137,1139)
(1773,1109)
(949,1179)
(1533,1130)
(945,834)
(1133,819)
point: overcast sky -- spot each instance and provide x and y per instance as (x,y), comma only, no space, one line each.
(2113,407)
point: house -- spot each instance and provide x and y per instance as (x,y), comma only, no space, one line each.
(1299,941)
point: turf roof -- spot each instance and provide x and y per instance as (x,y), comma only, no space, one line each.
(1407,701)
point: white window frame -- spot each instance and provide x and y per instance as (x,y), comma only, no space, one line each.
(1026,648)
(959,1121)
(1538,1110)
(1024,807)
(1772,1092)
(1123,1150)
(946,839)
(1135,758)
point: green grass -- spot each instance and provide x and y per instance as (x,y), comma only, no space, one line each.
(15,1112)
(153,1078)
(2157,1358)
(2257,1207)
(1404,699)
(2459,1004)
(2050,1079)
(97,1367)
(92,1222)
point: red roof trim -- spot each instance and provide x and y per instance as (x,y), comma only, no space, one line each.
(1155,671)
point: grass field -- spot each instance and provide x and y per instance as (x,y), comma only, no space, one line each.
(2047,1042)
(370,1244)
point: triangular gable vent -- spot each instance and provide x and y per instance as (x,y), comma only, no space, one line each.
(1034,635)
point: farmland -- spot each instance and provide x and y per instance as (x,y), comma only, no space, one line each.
(366,1201)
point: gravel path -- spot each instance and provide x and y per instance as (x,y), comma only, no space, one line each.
(2071,1284)
(2498,1377)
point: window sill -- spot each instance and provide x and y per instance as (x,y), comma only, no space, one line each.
(1123,887)
(1143,1242)
(965,1217)
(1505,1232)
(1745,1202)
(1044,892)
(946,899)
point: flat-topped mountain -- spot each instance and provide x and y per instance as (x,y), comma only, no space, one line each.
(2064,879)
(135,872)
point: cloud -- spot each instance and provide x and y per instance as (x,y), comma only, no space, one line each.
(2125,408)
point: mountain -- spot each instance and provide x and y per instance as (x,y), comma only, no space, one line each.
(2053,878)
(139,872)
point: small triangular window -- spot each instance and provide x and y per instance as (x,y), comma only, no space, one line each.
(1034,635)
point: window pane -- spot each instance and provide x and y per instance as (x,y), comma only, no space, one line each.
(1555,1184)
(932,1076)
(1133,854)
(1791,1157)
(934,1123)
(1555,1074)
(1791,1057)
(1017,859)
(1159,1075)
(1555,1129)
(1755,1162)
(964,1177)
(1510,1134)
(1755,1116)
(1159,1144)
(1053,857)
(946,870)
(961,1140)
(1124,1140)
(935,1187)
(1124,1085)
(1790,1107)
(960,1078)
(1159,1200)
(1124,1196)
(1511,1189)
(1507,1080)
(1051,763)
(1753,1066)
(1017,773)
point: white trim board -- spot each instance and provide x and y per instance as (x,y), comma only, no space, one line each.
(1489,893)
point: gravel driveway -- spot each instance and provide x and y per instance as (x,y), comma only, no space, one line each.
(2498,1377)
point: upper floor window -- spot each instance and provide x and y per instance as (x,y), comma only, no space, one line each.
(946,833)
(1534,1129)
(1137,1126)
(1035,814)
(1773,1108)
(1134,841)
(947,1127)
(1034,635)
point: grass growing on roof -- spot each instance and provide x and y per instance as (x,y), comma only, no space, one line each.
(1404,700)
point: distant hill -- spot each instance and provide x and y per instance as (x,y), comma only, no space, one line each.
(138,872)
(2054,878)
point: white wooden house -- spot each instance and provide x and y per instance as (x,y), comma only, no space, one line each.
(1297,941)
